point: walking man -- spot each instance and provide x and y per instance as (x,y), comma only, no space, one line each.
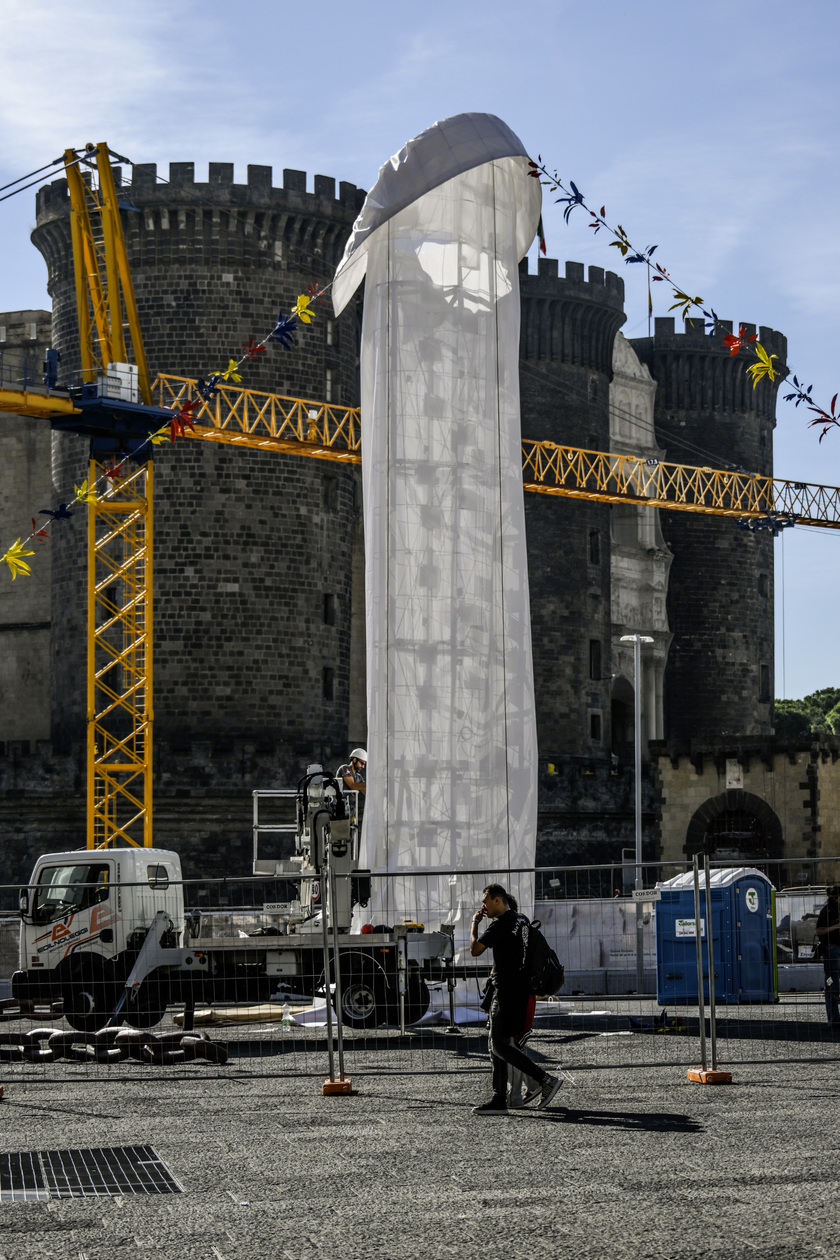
(507,936)
(827,939)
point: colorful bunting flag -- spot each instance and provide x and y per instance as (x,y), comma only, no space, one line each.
(683,301)
(14,561)
(61,513)
(764,366)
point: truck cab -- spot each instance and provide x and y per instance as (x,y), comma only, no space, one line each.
(84,918)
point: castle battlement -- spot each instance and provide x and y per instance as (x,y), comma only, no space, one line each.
(217,224)
(697,373)
(600,286)
(570,319)
(694,336)
(181,187)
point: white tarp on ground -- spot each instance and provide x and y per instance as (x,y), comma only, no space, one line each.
(452,752)
(467,1007)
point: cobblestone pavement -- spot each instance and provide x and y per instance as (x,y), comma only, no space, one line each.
(633,1161)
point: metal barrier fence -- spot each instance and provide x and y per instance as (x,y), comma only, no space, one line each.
(229,976)
(19,369)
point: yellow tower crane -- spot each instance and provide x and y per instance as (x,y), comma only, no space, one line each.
(119,674)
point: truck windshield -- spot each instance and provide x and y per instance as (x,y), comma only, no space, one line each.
(64,890)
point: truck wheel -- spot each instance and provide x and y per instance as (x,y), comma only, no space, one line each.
(87,996)
(363,1002)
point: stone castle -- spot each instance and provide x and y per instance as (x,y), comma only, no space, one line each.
(259,557)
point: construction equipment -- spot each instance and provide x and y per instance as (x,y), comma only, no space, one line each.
(103,280)
(108,933)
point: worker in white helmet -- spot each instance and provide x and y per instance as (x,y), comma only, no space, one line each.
(353,773)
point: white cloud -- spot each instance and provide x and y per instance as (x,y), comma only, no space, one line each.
(156,81)
(65,69)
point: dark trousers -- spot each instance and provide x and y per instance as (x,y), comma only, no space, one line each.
(507,1022)
(831,967)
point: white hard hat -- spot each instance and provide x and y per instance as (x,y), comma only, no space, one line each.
(359,754)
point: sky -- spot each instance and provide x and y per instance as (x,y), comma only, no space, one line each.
(710,130)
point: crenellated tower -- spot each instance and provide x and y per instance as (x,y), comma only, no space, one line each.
(569,324)
(253,564)
(719,678)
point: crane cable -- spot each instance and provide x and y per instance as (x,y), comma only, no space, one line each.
(85,156)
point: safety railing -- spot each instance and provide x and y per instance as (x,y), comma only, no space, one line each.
(20,369)
(242,977)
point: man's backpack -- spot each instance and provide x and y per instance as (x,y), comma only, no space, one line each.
(543,969)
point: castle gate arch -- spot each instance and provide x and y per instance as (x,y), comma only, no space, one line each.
(736,826)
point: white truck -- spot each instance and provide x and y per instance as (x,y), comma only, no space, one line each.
(107,931)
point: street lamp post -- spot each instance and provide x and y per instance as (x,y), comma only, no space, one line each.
(637,640)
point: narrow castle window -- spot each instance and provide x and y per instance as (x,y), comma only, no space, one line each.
(329,684)
(763,584)
(331,385)
(330,332)
(595,727)
(764,683)
(331,492)
(329,610)
(594,546)
(595,659)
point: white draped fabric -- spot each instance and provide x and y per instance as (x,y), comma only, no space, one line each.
(452,752)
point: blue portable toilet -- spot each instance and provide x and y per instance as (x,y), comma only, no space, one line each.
(742,932)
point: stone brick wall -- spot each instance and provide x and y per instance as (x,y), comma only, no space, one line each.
(247,544)
(719,678)
(798,783)
(568,329)
(25,488)
(587,814)
(202,800)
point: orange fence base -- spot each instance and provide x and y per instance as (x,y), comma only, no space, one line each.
(337,1087)
(709,1076)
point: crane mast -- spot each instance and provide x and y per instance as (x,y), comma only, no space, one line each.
(101,271)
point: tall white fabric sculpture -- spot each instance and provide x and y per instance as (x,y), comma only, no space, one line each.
(452,751)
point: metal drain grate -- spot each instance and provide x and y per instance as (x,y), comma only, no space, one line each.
(82,1173)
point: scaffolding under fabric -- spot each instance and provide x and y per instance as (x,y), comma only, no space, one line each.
(451,726)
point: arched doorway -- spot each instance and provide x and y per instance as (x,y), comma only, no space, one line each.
(736,827)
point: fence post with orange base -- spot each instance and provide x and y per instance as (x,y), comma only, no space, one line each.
(343,1084)
(705,1075)
(337,1087)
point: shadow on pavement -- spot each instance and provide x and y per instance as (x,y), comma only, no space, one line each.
(630,1121)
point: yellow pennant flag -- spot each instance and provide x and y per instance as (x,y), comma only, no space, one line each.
(14,561)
